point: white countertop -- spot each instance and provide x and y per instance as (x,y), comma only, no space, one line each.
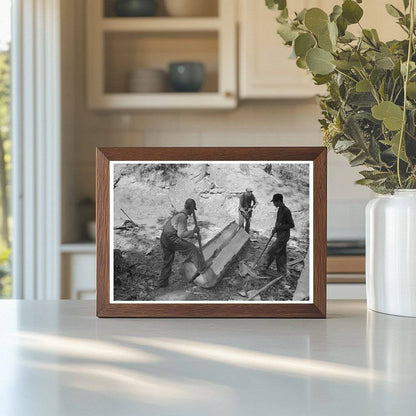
(57,359)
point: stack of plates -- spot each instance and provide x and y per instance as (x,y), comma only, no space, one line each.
(147,80)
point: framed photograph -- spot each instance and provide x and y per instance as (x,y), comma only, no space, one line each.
(211,232)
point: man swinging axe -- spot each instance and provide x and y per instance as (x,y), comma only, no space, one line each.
(245,210)
(174,239)
(277,251)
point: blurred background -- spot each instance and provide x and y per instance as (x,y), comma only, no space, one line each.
(100,73)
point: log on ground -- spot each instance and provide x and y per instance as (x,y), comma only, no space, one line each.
(210,249)
(223,260)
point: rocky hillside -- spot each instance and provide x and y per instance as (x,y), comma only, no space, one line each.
(150,193)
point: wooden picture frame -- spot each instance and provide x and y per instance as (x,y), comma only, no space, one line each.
(315,308)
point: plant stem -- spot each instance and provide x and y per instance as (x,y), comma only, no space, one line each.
(345,75)
(406,80)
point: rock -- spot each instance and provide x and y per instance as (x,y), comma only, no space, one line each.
(149,251)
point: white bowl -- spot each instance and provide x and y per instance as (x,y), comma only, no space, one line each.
(191,8)
(146,80)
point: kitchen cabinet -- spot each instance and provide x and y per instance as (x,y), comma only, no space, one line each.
(265,70)
(116,46)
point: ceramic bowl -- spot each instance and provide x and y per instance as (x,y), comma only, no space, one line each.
(186,76)
(136,8)
(147,80)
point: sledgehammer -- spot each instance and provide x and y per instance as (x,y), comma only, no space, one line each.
(198,235)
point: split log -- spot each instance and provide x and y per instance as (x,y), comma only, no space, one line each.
(223,260)
(302,288)
(210,249)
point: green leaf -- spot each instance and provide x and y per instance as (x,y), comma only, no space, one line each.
(303,43)
(301,63)
(319,61)
(374,150)
(342,25)
(343,145)
(375,35)
(316,20)
(300,17)
(325,43)
(393,11)
(391,114)
(394,144)
(368,36)
(406,4)
(374,175)
(412,67)
(358,160)
(336,12)
(385,63)
(284,14)
(351,11)
(411,90)
(343,65)
(286,32)
(358,61)
(276,4)
(333,32)
(321,79)
(364,181)
(327,40)
(361,99)
(363,86)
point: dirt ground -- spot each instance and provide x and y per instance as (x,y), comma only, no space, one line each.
(137,272)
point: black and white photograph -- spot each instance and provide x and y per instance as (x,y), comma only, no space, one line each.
(210,232)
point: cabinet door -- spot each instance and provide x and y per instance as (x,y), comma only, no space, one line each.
(265,68)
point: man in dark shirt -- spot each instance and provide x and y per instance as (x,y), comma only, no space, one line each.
(277,251)
(174,239)
(245,210)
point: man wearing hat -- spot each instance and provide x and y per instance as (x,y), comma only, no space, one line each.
(284,222)
(245,210)
(174,239)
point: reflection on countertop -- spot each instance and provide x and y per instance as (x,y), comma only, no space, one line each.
(63,360)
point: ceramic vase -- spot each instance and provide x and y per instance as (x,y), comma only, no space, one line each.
(391,253)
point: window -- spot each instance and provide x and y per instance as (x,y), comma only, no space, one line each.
(5,145)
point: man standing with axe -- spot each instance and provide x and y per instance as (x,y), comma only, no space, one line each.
(277,251)
(174,239)
(245,210)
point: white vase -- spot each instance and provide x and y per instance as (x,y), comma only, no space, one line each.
(391,253)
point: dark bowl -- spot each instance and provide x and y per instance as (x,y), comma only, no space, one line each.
(136,8)
(186,76)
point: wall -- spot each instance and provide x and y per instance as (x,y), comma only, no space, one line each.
(265,123)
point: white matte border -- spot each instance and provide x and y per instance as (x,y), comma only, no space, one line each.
(217,162)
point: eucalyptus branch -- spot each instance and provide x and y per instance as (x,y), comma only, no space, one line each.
(406,80)
(373,89)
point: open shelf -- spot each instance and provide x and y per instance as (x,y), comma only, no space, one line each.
(116,46)
(211,9)
(160,24)
(127,51)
